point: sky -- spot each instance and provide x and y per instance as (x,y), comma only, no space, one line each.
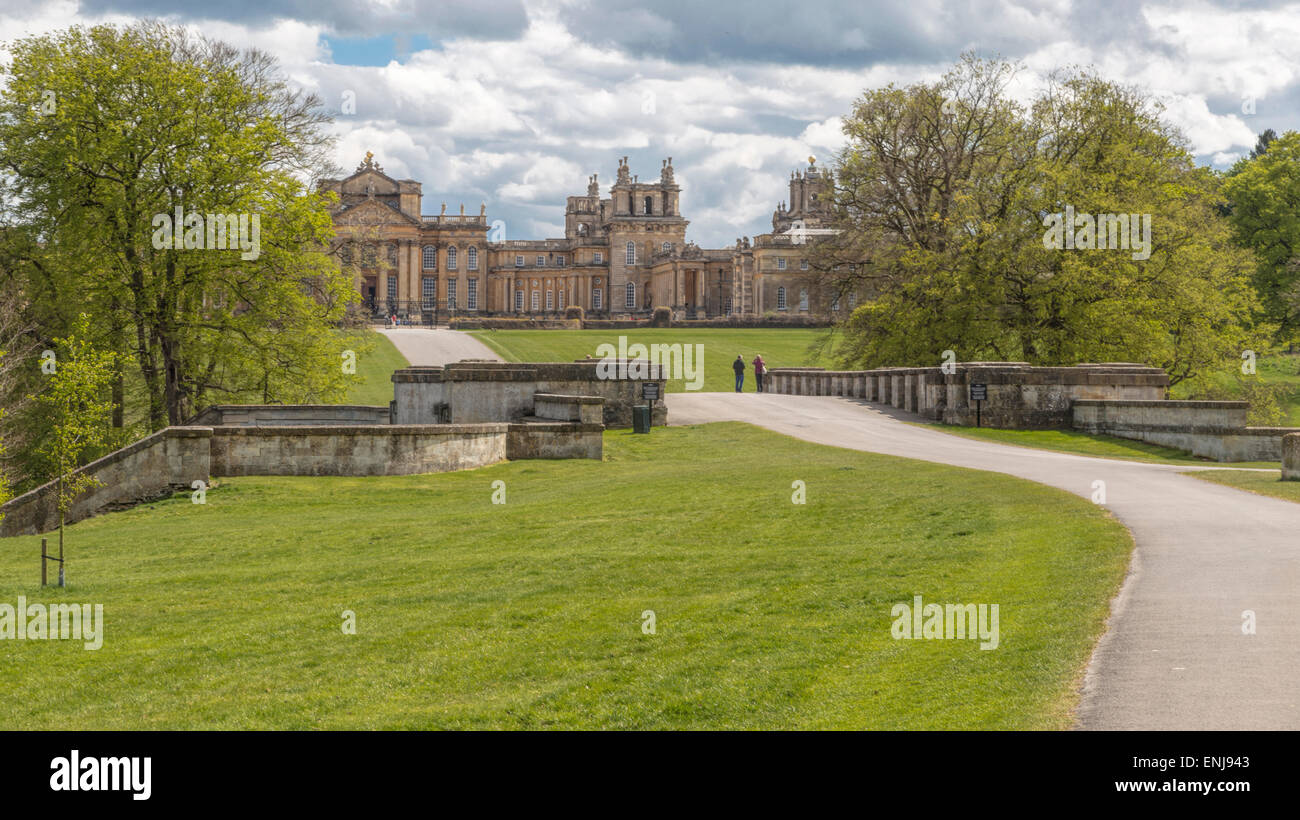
(515,103)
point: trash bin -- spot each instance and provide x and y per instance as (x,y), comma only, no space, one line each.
(640,418)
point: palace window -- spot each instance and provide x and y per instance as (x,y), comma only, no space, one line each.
(369,256)
(668,246)
(598,258)
(451,258)
(649,203)
(835,302)
(541,260)
(471,259)
(803,299)
(392,288)
(597,299)
(471,298)
(780,298)
(728,307)
(519,260)
(780,264)
(803,264)
(561,299)
(550,300)
(853,300)
(429,291)
(631,294)
(630,254)
(451,294)
(430,257)
(559,261)
(345,254)
(519,300)
(533,301)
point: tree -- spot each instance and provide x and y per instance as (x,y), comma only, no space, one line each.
(80,415)
(105,133)
(943,194)
(1265,196)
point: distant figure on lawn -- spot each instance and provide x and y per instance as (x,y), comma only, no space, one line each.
(739,366)
(760,370)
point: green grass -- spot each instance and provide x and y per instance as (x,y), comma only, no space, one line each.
(1265,483)
(1084,444)
(529,614)
(375,369)
(780,347)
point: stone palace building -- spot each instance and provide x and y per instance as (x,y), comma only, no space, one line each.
(621,255)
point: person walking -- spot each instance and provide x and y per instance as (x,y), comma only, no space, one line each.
(739,366)
(760,370)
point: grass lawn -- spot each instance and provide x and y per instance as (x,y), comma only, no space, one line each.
(529,614)
(1085,444)
(375,369)
(780,347)
(1264,483)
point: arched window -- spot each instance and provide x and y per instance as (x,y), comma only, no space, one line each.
(451,258)
(582,229)
(803,299)
(631,294)
(780,298)
(430,257)
(648,205)
(631,253)
(471,259)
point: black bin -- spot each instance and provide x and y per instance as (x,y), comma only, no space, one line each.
(640,418)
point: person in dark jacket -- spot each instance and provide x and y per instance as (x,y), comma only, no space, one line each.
(739,366)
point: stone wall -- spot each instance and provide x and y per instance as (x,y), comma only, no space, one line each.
(1291,457)
(481,392)
(1019,396)
(271,415)
(153,467)
(555,440)
(1208,429)
(362,450)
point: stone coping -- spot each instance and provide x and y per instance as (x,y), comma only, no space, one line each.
(312,407)
(1174,403)
(364,429)
(532,424)
(569,399)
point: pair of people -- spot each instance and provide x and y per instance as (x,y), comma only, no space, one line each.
(760,370)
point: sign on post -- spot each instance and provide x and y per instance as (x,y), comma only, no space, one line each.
(650,391)
(979,391)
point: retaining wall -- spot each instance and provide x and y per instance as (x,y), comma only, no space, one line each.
(272,415)
(151,468)
(1208,429)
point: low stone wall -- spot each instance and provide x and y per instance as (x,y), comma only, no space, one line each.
(356,451)
(1019,395)
(1208,429)
(480,392)
(153,467)
(555,440)
(274,415)
(557,407)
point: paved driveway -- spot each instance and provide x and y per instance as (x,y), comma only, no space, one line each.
(428,346)
(1174,656)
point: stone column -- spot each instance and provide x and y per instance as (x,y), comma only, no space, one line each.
(909,392)
(897,385)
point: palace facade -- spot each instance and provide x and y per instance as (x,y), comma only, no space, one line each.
(621,255)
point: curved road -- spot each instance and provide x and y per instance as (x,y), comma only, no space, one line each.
(427,346)
(1173,656)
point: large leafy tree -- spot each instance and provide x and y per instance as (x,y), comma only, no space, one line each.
(105,129)
(944,193)
(1265,196)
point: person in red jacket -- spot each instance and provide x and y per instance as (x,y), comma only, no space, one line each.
(760,370)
